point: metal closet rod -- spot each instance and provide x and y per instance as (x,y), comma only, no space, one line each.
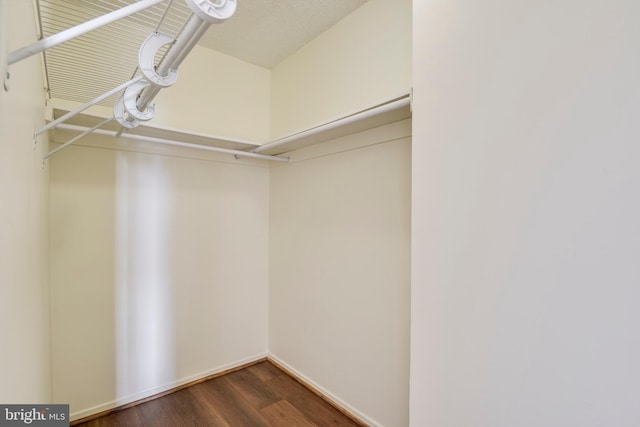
(78,30)
(374,111)
(83,107)
(82,135)
(380,109)
(86,131)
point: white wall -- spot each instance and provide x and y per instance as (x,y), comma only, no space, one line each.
(159,271)
(218,94)
(339,269)
(25,361)
(361,61)
(526,237)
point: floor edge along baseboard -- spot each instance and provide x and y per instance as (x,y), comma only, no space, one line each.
(276,362)
(305,383)
(116,408)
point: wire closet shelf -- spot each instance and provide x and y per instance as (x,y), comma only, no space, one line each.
(141,43)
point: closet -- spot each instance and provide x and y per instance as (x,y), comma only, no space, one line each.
(172,254)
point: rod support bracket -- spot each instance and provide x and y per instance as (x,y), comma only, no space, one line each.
(120,114)
(146,55)
(129,99)
(213,12)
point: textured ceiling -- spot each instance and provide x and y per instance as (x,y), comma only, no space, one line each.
(264,32)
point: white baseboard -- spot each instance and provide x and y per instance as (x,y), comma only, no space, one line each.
(150,392)
(325,392)
(155,390)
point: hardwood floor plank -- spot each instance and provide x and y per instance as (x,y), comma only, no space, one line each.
(265,370)
(258,395)
(125,418)
(213,415)
(314,408)
(187,409)
(160,413)
(284,414)
(253,389)
(230,403)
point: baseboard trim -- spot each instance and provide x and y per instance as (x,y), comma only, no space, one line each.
(346,409)
(155,393)
(140,398)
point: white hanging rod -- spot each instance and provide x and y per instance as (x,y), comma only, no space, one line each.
(374,111)
(238,153)
(94,101)
(79,30)
(74,139)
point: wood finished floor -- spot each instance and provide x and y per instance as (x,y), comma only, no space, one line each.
(259,395)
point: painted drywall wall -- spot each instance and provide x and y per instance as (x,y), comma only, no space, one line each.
(363,60)
(525,214)
(25,358)
(158,270)
(218,94)
(339,270)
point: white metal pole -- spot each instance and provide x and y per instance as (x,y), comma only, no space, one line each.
(79,30)
(184,47)
(175,143)
(72,140)
(394,105)
(87,105)
(191,33)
